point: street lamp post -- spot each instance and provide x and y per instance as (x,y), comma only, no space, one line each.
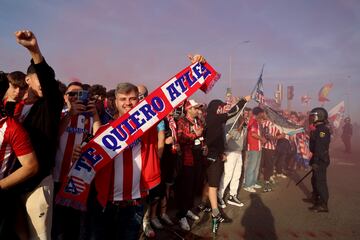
(348,95)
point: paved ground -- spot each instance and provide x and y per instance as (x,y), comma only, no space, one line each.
(282,214)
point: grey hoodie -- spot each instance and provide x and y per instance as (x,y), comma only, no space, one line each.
(235,138)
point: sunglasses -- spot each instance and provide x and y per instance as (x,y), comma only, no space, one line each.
(71,94)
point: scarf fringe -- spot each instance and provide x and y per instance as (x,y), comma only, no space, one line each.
(66,202)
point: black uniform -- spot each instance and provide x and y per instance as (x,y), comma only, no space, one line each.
(319,146)
(346,136)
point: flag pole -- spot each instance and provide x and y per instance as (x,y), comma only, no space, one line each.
(252,93)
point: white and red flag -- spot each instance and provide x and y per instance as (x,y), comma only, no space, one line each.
(336,114)
(305,99)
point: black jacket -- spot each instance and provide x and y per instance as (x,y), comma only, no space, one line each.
(319,145)
(43,122)
(215,124)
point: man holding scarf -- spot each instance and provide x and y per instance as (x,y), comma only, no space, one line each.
(123,184)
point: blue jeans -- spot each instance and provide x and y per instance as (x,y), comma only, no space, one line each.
(252,167)
(115,222)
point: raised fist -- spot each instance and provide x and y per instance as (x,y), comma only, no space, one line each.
(196,58)
(247,98)
(27,39)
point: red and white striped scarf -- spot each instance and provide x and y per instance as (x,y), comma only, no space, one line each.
(111,141)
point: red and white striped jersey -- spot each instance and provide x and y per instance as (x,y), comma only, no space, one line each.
(21,110)
(132,173)
(253,144)
(76,131)
(272,131)
(14,141)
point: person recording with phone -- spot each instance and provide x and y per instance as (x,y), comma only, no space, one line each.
(98,95)
(79,119)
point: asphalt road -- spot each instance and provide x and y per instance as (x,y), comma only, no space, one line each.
(281,214)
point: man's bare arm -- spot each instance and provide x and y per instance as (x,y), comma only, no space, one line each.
(29,167)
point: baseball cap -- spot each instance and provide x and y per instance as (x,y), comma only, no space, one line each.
(192,103)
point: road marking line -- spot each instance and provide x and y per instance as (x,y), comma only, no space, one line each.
(345,164)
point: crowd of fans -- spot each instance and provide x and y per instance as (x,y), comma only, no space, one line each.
(195,151)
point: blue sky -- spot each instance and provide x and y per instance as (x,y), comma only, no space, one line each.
(302,43)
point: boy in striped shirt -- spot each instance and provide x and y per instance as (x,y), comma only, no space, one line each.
(271,134)
(14,143)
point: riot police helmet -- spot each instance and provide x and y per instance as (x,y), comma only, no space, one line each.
(318,114)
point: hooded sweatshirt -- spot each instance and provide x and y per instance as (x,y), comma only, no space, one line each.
(215,125)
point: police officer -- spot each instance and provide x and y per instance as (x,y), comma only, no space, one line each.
(346,134)
(320,160)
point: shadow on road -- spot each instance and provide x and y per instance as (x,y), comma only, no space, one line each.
(258,220)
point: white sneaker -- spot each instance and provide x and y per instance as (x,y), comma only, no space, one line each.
(156,223)
(192,215)
(281,175)
(249,189)
(184,224)
(233,200)
(166,219)
(257,186)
